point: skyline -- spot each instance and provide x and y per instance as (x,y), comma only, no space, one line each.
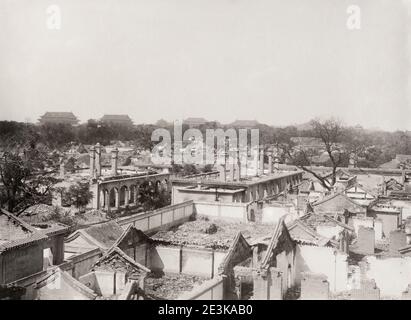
(277,63)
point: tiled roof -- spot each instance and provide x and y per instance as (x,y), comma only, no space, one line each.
(116,252)
(304,234)
(116,117)
(103,235)
(68,115)
(32,235)
(313,220)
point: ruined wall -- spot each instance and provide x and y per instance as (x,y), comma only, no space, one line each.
(368,223)
(209,290)
(322,260)
(314,287)
(392,275)
(390,222)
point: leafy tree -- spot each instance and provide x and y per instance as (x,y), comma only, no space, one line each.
(79,194)
(25,178)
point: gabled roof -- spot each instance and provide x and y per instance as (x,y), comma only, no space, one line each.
(302,233)
(116,258)
(59,285)
(360,186)
(14,232)
(131,228)
(333,196)
(313,220)
(339,173)
(280,228)
(102,235)
(239,241)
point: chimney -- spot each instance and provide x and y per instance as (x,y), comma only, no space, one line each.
(231,172)
(255,159)
(62,167)
(98,160)
(270,163)
(261,165)
(92,161)
(221,170)
(114,161)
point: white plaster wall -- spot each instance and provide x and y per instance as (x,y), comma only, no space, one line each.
(369,223)
(323,261)
(406,207)
(274,214)
(329,231)
(391,275)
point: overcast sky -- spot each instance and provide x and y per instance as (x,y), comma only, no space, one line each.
(278,62)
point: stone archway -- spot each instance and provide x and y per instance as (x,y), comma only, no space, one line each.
(123,196)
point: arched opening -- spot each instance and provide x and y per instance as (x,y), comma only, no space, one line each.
(123,195)
(112,198)
(251,216)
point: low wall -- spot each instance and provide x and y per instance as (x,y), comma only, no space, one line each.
(209,290)
(222,210)
(163,218)
(322,260)
(194,261)
(80,264)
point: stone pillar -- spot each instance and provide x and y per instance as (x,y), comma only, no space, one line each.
(107,200)
(92,162)
(117,199)
(98,160)
(126,196)
(261,163)
(136,191)
(114,161)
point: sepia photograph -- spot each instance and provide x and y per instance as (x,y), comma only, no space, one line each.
(229,151)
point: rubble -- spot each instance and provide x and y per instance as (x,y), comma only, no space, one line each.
(170,285)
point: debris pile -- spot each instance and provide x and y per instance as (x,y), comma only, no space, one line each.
(214,234)
(170,285)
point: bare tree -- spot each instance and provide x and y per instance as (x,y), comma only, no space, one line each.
(332,135)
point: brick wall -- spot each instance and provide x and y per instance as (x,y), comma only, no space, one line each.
(367,291)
